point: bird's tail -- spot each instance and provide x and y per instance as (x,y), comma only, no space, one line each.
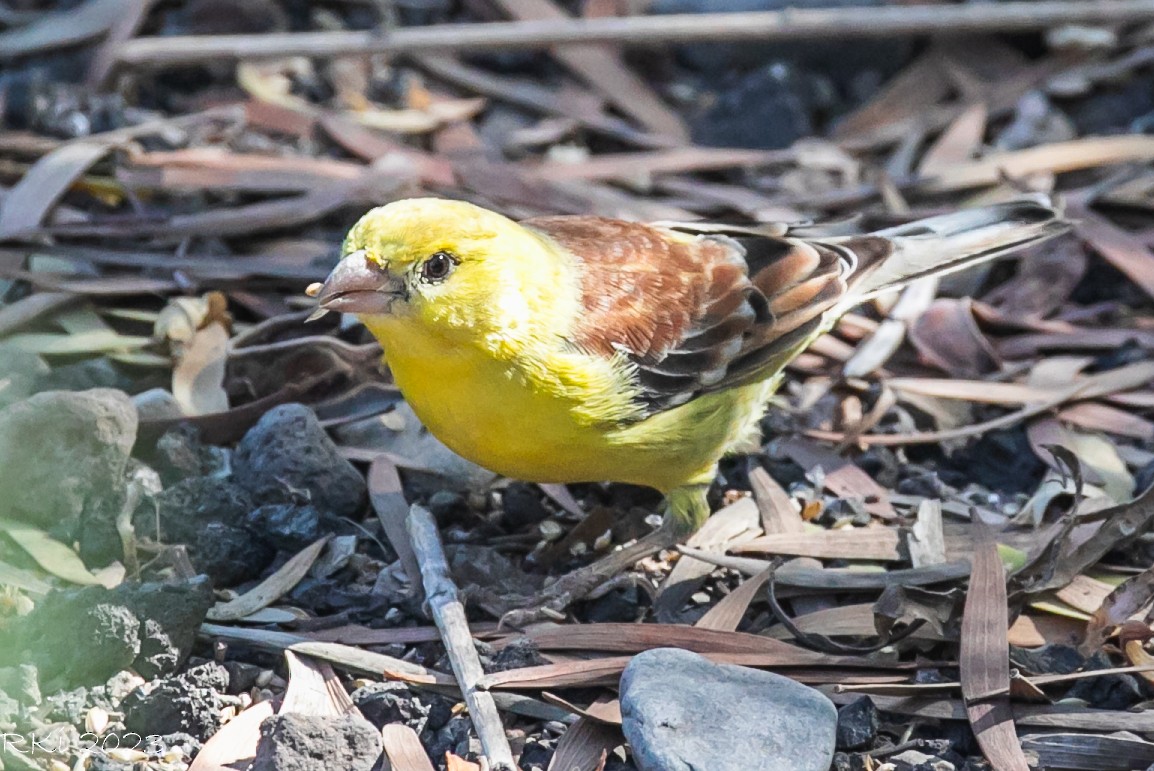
(891,258)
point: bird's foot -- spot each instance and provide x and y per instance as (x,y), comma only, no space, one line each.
(550,603)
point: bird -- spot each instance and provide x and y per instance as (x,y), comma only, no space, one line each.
(575,348)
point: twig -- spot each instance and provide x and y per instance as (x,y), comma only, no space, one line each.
(789,24)
(449,615)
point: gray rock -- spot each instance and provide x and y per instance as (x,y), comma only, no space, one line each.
(296,742)
(64,452)
(157,404)
(682,712)
(22,374)
(288,454)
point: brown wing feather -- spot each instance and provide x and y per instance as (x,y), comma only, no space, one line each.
(695,314)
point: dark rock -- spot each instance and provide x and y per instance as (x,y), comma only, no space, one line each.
(620,605)
(241,676)
(448,508)
(452,737)
(536,755)
(768,108)
(230,555)
(296,742)
(1114,692)
(187,506)
(288,454)
(522,506)
(391,702)
(94,616)
(1144,478)
(185,703)
(81,446)
(169,615)
(857,724)
(682,711)
(179,455)
(1112,110)
(518,653)
(1050,659)
(844,61)
(287,526)
(1001,460)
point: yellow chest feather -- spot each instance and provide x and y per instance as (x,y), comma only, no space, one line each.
(492,413)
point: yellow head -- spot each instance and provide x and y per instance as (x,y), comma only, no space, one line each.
(448,269)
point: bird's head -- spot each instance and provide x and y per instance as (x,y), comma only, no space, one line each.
(443,266)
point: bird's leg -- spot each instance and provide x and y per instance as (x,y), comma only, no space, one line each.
(686,511)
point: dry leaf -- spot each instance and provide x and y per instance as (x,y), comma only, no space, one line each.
(984,659)
(272,588)
(50,554)
(403,749)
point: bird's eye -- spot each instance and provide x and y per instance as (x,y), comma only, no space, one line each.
(437,267)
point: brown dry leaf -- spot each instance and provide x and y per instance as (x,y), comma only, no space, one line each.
(1041,716)
(211,168)
(728,612)
(1085,593)
(927,541)
(603,68)
(272,588)
(1036,631)
(628,166)
(585,746)
(457,763)
(842,478)
(234,745)
(634,638)
(28,203)
(778,514)
(1133,636)
(1111,420)
(733,525)
(403,749)
(865,543)
(198,377)
(1101,753)
(607,671)
(958,143)
(1057,157)
(903,100)
(947,336)
(1125,251)
(1129,598)
(1099,459)
(1045,278)
(983,658)
(314,689)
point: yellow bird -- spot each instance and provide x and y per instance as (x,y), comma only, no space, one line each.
(584,349)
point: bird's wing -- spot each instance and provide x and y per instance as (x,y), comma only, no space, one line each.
(696,311)
(701,307)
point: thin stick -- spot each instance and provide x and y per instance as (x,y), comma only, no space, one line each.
(789,24)
(449,615)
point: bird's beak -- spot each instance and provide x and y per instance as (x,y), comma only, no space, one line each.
(358,285)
